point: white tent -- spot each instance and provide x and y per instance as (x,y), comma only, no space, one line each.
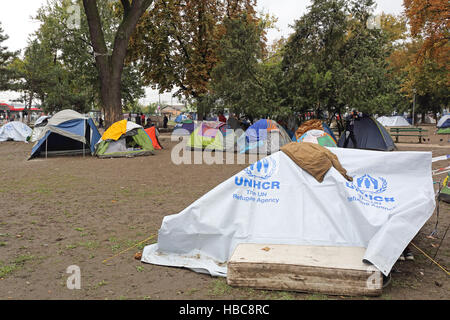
(276,202)
(16,131)
(395,121)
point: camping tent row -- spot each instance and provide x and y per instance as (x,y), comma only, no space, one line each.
(267,136)
(70,133)
(264,136)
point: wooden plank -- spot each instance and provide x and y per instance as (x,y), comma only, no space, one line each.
(328,270)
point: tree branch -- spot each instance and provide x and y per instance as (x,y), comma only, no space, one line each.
(96,32)
(126,6)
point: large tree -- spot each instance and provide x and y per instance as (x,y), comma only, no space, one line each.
(177,41)
(334,62)
(110,62)
(430,21)
(241,81)
(72,78)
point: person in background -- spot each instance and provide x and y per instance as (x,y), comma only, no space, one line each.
(100,122)
(138,119)
(129,117)
(349,134)
(142,118)
(222,117)
(165,121)
(149,123)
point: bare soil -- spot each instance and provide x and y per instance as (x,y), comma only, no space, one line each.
(65,211)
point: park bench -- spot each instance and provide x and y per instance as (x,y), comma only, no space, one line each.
(407,132)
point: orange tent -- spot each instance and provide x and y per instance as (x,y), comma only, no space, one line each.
(152,134)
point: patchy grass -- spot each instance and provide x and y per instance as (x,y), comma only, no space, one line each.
(317,296)
(89,244)
(220,288)
(99,284)
(191,291)
(140,268)
(284,295)
(18,263)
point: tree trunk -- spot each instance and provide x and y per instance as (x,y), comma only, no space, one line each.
(110,65)
(111,99)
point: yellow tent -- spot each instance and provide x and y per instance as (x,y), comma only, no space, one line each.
(115,131)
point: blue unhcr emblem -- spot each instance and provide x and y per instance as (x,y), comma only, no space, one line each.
(367,184)
(263,169)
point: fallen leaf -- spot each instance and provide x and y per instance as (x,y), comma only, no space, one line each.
(266,249)
(138,256)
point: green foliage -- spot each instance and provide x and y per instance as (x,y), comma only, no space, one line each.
(59,65)
(241,81)
(334,62)
(6,58)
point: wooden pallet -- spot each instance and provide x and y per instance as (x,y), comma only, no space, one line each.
(315,269)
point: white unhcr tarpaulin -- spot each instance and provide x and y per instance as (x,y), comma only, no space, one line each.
(275,202)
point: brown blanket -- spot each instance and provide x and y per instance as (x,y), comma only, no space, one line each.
(314,159)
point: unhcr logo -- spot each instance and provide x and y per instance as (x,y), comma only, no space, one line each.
(368,184)
(258,172)
(370,190)
(263,169)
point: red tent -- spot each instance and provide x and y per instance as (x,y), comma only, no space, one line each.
(152,134)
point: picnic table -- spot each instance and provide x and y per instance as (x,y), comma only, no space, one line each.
(407,132)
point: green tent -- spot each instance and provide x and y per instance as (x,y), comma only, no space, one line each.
(444,131)
(124,139)
(207,136)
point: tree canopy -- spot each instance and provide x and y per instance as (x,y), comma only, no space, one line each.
(6,57)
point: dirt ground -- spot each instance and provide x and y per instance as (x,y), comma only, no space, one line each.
(65,211)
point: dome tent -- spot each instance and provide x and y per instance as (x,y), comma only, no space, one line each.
(444,125)
(394,121)
(153,134)
(124,139)
(66,133)
(370,135)
(264,137)
(15,131)
(312,124)
(318,137)
(209,135)
(184,128)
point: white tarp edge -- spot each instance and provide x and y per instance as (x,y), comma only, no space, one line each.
(276,202)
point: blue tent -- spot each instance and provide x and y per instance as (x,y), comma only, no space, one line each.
(256,138)
(444,122)
(180,118)
(68,133)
